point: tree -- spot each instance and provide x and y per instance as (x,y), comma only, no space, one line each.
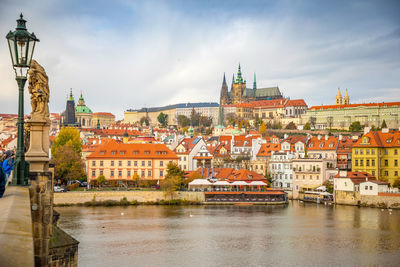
(194,118)
(263,128)
(383,124)
(101,180)
(68,165)
(174,170)
(270,180)
(307,126)
(183,121)
(135,179)
(396,183)
(313,121)
(67,135)
(170,185)
(355,127)
(145,120)
(329,186)
(330,122)
(291,126)
(230,118)
(205,121)
(163,119)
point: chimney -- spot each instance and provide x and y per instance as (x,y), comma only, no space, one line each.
(326,137)
(340,137)
(319,137)
(285,136)
(367,129)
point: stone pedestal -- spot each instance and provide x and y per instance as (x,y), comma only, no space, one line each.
(38,152)
(41,195)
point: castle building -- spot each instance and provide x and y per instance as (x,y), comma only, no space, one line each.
(340,100)
(239,92)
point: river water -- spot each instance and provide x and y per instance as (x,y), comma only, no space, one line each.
(298,234)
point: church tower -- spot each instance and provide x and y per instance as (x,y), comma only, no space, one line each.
(68,116)
(224,98)
(238,87)
(339,99)
(346,98)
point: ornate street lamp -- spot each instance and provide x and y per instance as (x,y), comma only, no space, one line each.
(21,44)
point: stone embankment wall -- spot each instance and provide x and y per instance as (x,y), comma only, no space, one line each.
(354,198)
(74,198)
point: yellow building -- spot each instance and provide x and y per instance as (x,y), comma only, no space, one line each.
(102,119)
(377,152)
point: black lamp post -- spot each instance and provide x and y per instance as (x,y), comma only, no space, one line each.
(21,44)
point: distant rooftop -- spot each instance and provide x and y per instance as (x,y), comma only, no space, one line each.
(181,105)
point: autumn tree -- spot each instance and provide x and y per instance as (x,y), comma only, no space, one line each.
(67,135)
(205,121)
(312,121)
(163,119)
(68,165)
(263,128)
(307,126)
(194,118)
(101,180)
(135,179)
(145,120)
(384,125)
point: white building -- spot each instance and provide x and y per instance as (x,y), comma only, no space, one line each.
(204,109)
(281,169)
(373,187)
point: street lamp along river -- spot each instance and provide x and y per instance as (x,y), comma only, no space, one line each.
(21,44)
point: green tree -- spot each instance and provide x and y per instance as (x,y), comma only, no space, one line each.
(183,121)
(291,126)
(355,127)
(163,119)
(68,165)
(67,135)
(101,180)
(170,185)
(329,186)
(230,118)
(313,121)
(174,170)
(307,126)
(270,180)
(205,121)
(384,125)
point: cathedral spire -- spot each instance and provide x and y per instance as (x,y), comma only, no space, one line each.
(346,99)
(224,98)
(239,78)
(254,82)
(233,78)
(71,96)
(339,99)
(224,80)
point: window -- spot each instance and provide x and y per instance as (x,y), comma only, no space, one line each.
(101,172)
(386,162)
(93,173)
(356,151)
(149,163)
(184,167)
(386,173)
(396,173)
(119,173)
(161,163)
(120,163)
(112,173)
(93,163)
(361,151)
(386,152)
(135,152)
(367,151)
(122,152)
(129,163)
(370,187)
(143,173)
(373,163)
(129,174)
(395,163)
(361,162)
(147,152)
(356,162)
(367,163)
(112,163)
(161,173)
(395,151)
(304,177)
(373,173)
(102,152)
(143,163)
(114,152)
(366,187)
(135,163)
(373,151)
(101,163)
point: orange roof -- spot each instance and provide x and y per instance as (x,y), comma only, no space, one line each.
(112,150)
(296,102)
(379,139)
(187,143)
(345,145)
(267,149)
(104,114)
(389,104)
(322,144)
(274,103)
(244,105)
(231,175)
(359,177)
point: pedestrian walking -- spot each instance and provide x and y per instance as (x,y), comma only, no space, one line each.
(8,164)
(2,181)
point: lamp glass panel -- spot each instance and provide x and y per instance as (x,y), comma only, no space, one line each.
(21,47)
(31,47)
(11,45)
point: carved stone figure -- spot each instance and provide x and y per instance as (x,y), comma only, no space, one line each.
(39,90)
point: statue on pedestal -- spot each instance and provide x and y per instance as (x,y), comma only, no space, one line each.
(39,90)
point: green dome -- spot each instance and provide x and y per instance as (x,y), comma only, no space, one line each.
(83,109)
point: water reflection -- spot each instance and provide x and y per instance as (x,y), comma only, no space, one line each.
(299,234)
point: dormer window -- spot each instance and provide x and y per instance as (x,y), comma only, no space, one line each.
(331,145)
(389,140)
(122,152)
(102,152)
(135,152)
(310,145)
(114,152)
(147,152)
(321,145)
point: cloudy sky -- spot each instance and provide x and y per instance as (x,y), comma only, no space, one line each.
(130,54)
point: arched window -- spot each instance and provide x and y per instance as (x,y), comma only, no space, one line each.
(83,122)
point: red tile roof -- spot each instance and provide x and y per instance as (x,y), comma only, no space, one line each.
(322,144)
(267,149)
(112,149)
(379,139)
(389,104)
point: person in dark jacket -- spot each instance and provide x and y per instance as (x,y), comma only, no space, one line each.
(8,164)
(2,182)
